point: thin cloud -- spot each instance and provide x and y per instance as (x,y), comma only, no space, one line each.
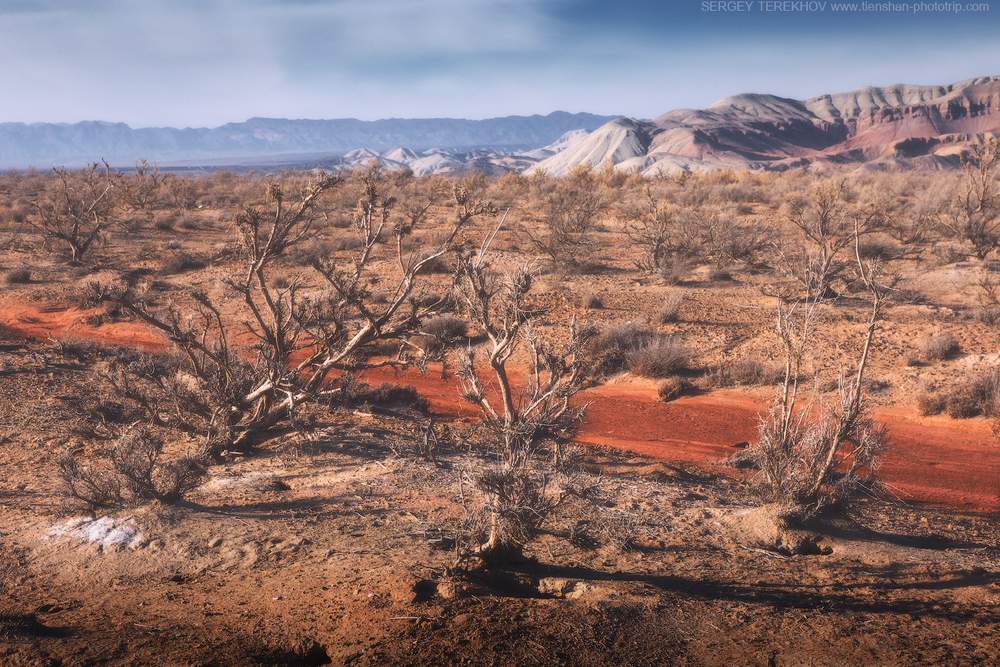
(207,62)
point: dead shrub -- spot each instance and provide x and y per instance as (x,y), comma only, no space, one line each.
(135,474)
(744,372)
(719,275)
(661,357)
(446,328)
(311,253)
(18,276)
(908,296)
(989,315)
(930,403)
(591,301)
(608,347)
(136,459)
(879,248)
(281,281)
(977,394)
(672,388)
(191,222)
(356,392)
(92,488)
(165,222)
(939,347)
(947,254)
(343,242)
(517,499)
(670,309)
(181,263)
(673,270)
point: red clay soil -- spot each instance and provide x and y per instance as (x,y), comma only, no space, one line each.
(934,460)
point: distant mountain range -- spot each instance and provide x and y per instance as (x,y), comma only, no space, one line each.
(270,141)
(895,126)
(901,126)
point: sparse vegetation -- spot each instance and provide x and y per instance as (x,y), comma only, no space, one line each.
(18,276)
(939,347)
(364,372)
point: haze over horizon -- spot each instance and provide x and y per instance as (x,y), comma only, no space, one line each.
(204,63)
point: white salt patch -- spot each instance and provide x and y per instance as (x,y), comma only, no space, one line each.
(104,531)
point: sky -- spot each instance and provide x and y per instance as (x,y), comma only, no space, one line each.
(204,63)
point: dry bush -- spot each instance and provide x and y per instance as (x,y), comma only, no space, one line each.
(718,274)
(343,242)
(879,248)
(908,295)
(300,336)
(832,218)
(634,347)
(165,222)
(517,501)
(591,301)
(930,403)
(670,309)
(135,474)
(674,269)
(976,394)
(672,388)
(517,491)
(609,346)
(731,243)
(77,209)
(661,357)
(312,252)
(136,459)
(668,226)
(814,457)
(446,328)
(440,331)
(181,263)
(974,216)
(18,276)
(356,392)
(91,488)
(938,347)
(745,372)
(989,315)
(569,210)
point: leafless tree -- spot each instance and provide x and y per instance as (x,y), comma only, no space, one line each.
(569,213)
(830,220)
(212,390)
(974,215)
(665,229)
(518,494)
(810,456)
(79,209)
(138,190)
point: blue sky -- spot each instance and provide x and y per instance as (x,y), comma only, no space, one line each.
(202,63)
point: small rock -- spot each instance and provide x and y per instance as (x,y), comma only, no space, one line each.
(215,543)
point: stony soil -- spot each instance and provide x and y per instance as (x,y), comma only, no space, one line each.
(339,548)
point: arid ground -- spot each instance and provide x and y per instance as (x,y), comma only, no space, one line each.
(337,543)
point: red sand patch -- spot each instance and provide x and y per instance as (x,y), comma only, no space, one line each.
(932,460)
